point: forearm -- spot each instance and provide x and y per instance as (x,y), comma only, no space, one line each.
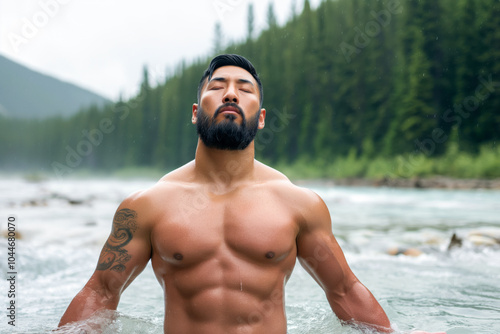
(87,302)
(357,304)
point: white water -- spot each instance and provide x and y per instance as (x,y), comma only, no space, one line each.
(457,291)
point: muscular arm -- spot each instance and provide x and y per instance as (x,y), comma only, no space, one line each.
(124,255)
(321,255)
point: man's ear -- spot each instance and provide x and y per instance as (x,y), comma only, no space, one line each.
(262,118)
(194,117)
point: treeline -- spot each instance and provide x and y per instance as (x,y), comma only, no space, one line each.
(362,80)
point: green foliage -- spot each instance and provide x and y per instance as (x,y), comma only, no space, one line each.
(353,88)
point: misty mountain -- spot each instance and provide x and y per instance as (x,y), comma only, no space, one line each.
(25,93)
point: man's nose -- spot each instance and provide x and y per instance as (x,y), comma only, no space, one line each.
(230,96)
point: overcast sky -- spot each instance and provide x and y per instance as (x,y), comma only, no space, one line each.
(102,45)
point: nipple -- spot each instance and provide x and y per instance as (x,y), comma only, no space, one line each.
(178,256)
(270,255)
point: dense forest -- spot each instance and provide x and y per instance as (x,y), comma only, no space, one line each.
(352,88)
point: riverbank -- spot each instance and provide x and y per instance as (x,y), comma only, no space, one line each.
(423,183)
(436,182)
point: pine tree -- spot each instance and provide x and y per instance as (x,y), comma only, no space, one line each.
(250,22)
(218,39)
(418,117)
(486,129)
(149,129)
(271,16)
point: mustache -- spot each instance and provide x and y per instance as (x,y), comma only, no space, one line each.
(229,104)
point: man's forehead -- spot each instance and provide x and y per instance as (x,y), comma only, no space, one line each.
(229,72)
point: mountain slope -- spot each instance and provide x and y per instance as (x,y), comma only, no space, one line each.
(25,93)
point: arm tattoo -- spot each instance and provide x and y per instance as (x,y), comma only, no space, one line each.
(114,256)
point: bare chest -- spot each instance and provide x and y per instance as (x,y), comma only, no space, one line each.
(252,226)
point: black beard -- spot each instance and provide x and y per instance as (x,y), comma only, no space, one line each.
(227,134)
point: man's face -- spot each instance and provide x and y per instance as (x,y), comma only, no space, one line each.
(229,113)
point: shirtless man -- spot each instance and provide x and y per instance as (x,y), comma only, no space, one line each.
(223,232)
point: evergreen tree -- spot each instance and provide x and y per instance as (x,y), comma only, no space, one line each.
(218,38)
(417,117)
(250,22)
(271,16)
(149,110)
(487,127)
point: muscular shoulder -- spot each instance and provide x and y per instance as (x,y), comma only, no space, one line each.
(310,210)
(150,203)
(308,205)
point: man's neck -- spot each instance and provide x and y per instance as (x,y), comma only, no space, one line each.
(225,168)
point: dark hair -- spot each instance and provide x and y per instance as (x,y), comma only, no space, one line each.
(230,60)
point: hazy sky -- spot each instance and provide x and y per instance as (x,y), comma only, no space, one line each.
(102,45)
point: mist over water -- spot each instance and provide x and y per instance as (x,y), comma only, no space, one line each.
(63,225)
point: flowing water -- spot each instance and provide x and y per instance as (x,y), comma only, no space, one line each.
(455,290)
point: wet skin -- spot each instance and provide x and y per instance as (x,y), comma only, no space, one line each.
(223,262)
(222,253)
(223,234)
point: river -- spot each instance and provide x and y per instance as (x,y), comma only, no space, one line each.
(61,226)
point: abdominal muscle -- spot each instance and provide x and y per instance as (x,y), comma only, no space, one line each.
(223,265)
(221,296)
